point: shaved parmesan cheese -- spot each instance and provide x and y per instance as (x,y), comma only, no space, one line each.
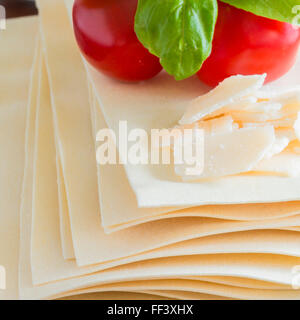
(297,127)
(218,125)
(281,123)
(287,164)
(286,132)
(264,107)
(255,125)
(277,147)
(283,137)
(232,153)
(294,146)
(244,116)
(290,109)
(230,91)
(239,105)
(284,96)
(213,126)
(243,103)
(167,137)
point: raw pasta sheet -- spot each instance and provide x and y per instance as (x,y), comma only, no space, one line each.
(141,238)
(168,267)
(123,273)
(203,288)
(114,275)
(260,265)
(117,296)
(15,65)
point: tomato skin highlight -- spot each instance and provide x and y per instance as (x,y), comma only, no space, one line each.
(248,44)
(104,30)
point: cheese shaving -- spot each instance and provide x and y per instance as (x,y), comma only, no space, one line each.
(286,164)
(247,128)
(296,127)
(232,153)
(230,91)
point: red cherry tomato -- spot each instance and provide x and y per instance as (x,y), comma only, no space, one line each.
(248,44)
(104,30)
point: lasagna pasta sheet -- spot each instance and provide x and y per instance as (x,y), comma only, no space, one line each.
(113,250)
(152,269)
(143,259)
(163,268)
(15,65)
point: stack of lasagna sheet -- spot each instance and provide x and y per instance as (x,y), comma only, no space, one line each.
(70,227)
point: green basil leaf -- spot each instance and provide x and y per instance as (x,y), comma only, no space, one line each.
(281,10)
(179,32)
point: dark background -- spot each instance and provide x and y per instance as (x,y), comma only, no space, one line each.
(18,8)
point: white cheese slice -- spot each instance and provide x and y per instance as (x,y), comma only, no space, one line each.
(280,123)
(286,132)
(283,137)
(297,127)
(290,109)
(286,164)
(232,153)
(244,116)
(214,126)
(167,137)
(264,106)
(294,147)
(239,105)
(284,96)
(278,146)
(229,91)
(218,125)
